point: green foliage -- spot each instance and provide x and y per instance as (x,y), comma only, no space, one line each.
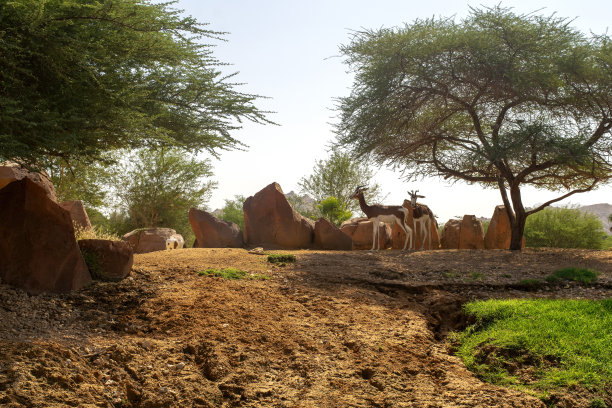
(232,274)
(582,275)
(564,228)
(332,209)
(80,78)
(531,284)
(93,263)
(81,180)
(338,176)
(232,211)
(281,258)
(560,343)
(158,187)
(485,100)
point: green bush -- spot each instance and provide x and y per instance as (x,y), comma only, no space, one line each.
(564,228)
(231,274)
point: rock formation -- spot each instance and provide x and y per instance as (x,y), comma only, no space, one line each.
(360,231)
(38,250)
(212,232)
(150,239)
(499,232)
(10,171)
(328,236)
(77,213)
(107,260)
(270,221)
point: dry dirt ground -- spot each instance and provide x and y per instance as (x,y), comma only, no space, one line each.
(335,329)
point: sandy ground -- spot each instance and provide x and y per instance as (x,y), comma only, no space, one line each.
(335,329)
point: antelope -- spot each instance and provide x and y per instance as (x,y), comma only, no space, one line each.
(422,215)
(383,213)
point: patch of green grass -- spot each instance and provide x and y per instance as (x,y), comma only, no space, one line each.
(476,275)
(232,274)
(451,274)
(281,258)
(582,275)
(540,345)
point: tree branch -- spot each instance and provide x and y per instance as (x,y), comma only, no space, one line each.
(546,204)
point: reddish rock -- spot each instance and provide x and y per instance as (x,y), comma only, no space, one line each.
(150,239)
(328,236)
(269,220)
(450,234)
(38,251)
(360,231)
(500,231)
(107,260)
(212,232)
(10,171)
(77,213)
(471,235)
(398,237)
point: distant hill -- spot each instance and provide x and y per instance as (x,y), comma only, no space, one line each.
(602,211)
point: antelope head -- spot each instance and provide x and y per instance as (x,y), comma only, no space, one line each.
(359,190)
(413,197)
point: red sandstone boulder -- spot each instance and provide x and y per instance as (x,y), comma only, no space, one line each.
(151,239)
(360,231)
(450,234)
(269,220)
(10,171)
(500,231)
(77,213)
(38,251)
(471,235)
(328,236)
(107,260)
(212,232)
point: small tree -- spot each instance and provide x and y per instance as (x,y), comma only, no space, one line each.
(157,188)
(498,99)
(564,228)
(337,177)
(232,211)
(332,209)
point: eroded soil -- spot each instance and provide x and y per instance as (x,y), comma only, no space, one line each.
(335,329)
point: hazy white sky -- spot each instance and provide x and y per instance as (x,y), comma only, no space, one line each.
(287,51)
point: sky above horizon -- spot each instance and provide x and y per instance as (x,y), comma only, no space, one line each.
(288,52)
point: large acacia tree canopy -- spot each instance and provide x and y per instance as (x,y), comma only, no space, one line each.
(81,77)
(498,99)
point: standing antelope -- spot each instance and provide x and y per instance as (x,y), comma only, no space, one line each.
(383,213)
(422,215)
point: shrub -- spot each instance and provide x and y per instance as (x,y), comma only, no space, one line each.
(564,228)
(231,274)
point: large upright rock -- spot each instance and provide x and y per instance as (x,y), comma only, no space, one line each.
(150,239)
(10,171)
(269,220)
(212,232)
(471,235)
(328,236)
(450,234)
(499,232)
(398,237)
(77,213)
(361,232)
(38,251)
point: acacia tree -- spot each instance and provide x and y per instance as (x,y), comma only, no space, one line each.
(80,78)
(498,98)
(338,176)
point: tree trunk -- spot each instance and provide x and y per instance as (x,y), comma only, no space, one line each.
(520,216)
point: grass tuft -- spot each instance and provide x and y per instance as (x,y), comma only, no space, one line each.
(232,274)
